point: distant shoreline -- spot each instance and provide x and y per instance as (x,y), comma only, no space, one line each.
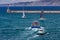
(32,8)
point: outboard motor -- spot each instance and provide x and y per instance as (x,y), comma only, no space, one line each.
(41,31)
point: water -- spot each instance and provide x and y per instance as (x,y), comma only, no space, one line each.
(12,26)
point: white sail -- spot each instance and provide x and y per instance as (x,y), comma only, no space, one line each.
(23,16)
(23,13)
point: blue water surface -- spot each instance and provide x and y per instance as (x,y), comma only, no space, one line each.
(12,26)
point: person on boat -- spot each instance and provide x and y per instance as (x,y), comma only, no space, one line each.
(35,24)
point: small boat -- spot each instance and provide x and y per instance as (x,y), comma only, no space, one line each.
(35,26)
(39,29)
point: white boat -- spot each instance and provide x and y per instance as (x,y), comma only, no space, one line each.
(34,26)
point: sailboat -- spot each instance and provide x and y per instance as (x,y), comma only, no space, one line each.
(23,15)
(42,16)
(8,10)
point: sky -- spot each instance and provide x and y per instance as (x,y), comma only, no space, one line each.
(14,1)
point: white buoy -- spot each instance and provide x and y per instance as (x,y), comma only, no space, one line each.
(23,16)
